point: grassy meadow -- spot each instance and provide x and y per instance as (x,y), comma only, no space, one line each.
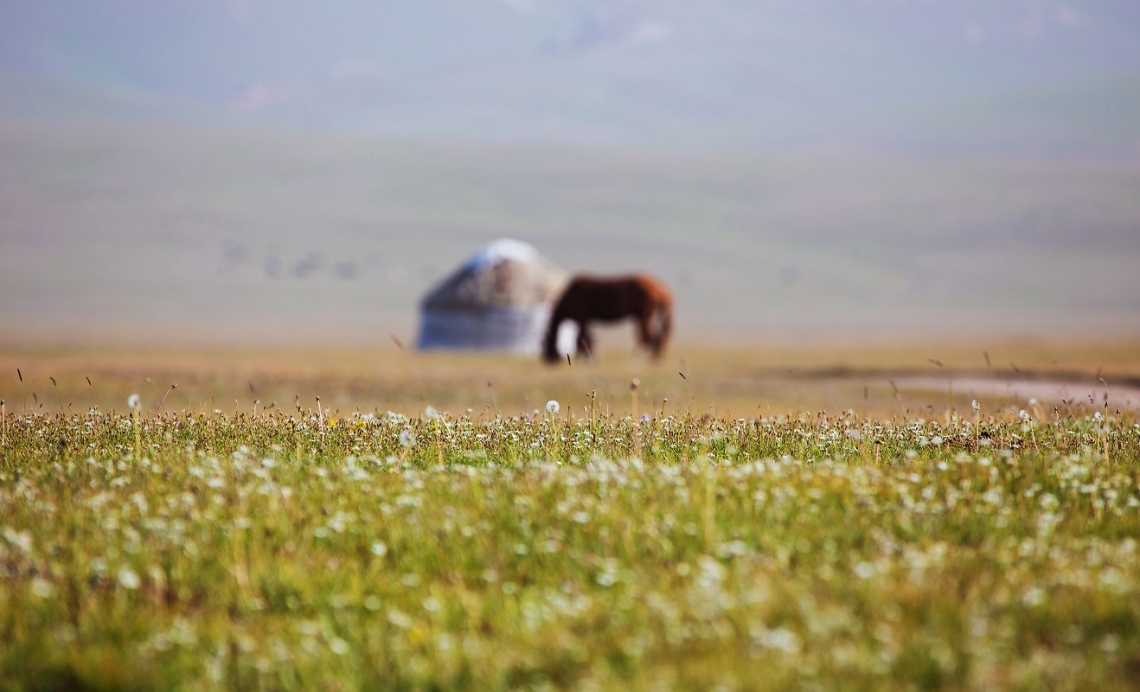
(450,538)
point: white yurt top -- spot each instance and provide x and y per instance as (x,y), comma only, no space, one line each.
(502,249)
(504,274)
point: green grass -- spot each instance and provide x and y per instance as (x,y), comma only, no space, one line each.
(306,552)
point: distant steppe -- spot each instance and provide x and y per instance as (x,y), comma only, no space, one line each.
(908,380)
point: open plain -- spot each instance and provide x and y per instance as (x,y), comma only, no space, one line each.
(745,519)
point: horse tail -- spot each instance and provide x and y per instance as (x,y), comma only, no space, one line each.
(662,325)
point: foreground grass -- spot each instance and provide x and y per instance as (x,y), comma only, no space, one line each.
(377,552)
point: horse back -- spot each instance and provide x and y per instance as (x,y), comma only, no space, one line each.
(613,298)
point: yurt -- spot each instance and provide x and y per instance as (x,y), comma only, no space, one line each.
(500,300)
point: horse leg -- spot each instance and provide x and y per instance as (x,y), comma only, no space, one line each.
(645,336)
(550,343)
(585,341)
(663,319)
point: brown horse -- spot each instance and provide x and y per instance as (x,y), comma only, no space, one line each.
(592,299)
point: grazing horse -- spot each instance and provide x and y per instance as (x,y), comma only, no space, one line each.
(588,299)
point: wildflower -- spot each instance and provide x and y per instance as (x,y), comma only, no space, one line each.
(1034,596)
(129,579)
(41,588)
(1023,415)
(407,439)
(431,413)
(779,638)
(552,407)
(975,405)
(379,549)
(400,619)
(133,401)
(1098,417)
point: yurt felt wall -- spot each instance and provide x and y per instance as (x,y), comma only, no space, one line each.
(500,299)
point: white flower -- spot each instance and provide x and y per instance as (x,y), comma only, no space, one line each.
(1097,417)
(41,588)
(407,439)
(779,638)
(1033,401)
(133,401)
(1033,596)
(1023,415)
(552,406)
(975,405)
(129,579)
(431,413)
(400,619)
(854,433)
(379,549)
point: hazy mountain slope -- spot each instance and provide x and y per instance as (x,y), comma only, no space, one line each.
(671,72)
(196,235)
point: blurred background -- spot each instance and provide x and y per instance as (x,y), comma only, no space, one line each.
(251,172)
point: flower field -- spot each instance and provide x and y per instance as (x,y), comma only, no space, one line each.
(181,551)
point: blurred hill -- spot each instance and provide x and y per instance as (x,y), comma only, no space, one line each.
(178,234)
(1029,76)
(252,171)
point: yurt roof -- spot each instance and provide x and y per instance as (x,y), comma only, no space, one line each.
(506,273)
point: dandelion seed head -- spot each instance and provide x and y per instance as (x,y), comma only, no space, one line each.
(407,438)
(553,406)
(129,579)
(1034,596)
(133,401)
(431,413)
(41,588)
(975,405)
